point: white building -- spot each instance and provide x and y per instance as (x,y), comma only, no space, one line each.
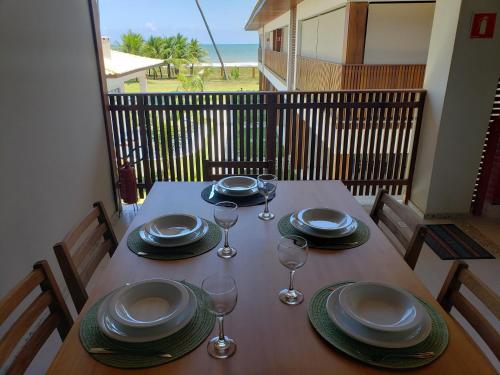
(121,67)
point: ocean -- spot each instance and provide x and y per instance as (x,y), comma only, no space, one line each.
(232,53)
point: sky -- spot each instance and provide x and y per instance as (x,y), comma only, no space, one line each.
(226,19)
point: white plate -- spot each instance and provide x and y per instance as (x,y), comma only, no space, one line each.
(324,219)
(381,306)
(173,226)
(241,186)
(390,340)
(149,303)
(311,232)
(197,236)
(115,331)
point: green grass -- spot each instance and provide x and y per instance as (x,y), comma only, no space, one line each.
(214,82)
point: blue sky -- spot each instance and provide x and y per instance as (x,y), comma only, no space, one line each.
(226,18)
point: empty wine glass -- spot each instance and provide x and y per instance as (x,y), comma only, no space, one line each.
(266,184)
(226,215)
(292,253)
(220,299)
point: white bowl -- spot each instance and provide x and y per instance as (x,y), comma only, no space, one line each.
(116,331)
(149,303)
(301,227)
(237,186)
(390,340)
(174,242)
(381,307)
(173,226)
(324,219)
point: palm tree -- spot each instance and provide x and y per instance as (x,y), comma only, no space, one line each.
(168,53)
(180,53)
(196,53)
(131,43)
(154,48)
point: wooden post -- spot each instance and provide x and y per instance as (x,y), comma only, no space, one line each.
(271,127)
(355,32)
(253,72)
(145,143)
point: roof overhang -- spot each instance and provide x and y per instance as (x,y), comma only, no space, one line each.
(267,10)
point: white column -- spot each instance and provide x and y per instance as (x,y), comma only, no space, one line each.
(143,82)
(461,78)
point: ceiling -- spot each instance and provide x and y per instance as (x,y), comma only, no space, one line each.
(267,10)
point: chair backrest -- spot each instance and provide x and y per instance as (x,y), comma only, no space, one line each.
(403,224)
(58,317)
(79,265)
(450,296)
(212,169)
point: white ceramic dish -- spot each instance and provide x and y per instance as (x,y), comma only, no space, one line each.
(116,331)
(194,237)
(324,219)
(314,233)
(389,340)
(173,226)
(149,303)
(381,306)
(241,186)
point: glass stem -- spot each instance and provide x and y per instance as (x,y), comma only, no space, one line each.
(266,206)
(290,287)
(226,238)
(220,319)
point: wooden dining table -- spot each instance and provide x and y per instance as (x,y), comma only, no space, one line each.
(272,338)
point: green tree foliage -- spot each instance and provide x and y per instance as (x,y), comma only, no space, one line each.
(177,51)
(154,47)
(132,43)
(196,53)
(235,73)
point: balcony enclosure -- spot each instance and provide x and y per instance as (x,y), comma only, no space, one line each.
(367,139)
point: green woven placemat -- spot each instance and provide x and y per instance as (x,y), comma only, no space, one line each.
(211,239)
(178,344)
(252,200)
(358,238)
(436,342)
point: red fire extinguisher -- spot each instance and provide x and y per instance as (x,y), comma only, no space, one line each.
(127,182)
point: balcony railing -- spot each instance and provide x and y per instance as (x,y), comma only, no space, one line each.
(277,62)
(314,74)
(367,139)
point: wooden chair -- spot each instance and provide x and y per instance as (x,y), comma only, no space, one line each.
(78,268)
(247,168)
(402,223)
(58,317)
(450,296)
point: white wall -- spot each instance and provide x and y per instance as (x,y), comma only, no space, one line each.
(398,33)
(308,37)
(461,78)
(53,158)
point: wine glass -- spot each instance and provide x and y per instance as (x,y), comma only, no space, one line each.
(220,299)
(226,215)
(292,253)
(266,184)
